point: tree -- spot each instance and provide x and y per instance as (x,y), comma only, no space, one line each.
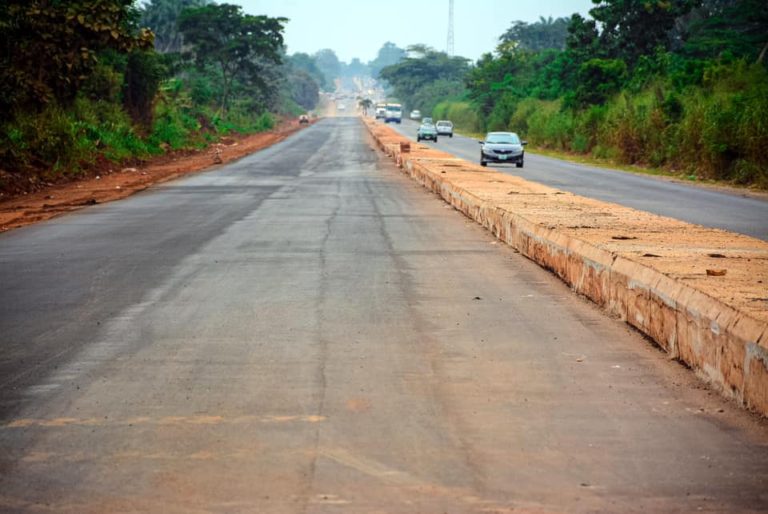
(412,74)
(304,89)
(240,47)
(364,104)
(327,62)
(738,28)
(48,49)
(545,34)
(356,68)
(632,28)
(598,79)
(143,73)
(388,55)
(583,37)
(162,16)
(306,63)
(438,91)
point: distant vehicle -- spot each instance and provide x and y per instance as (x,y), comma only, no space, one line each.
(394,113)
(303,119)
(428,121)
(502,147)
(381,111)
(444,128)
(415,115)
(341,107)
(427,131)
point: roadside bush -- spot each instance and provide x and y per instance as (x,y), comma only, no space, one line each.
(634,127)
(108,129)
(550,126)
(723,131)
(243,121)
(64,140)
(51,139)
(173,126)
(518,122)
(587,124)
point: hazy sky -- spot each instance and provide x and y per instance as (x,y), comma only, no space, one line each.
(358,28)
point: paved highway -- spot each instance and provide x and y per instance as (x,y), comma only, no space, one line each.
(307,330)
(703,206)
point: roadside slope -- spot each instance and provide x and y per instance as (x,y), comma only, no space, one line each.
(59,199)
(700,293)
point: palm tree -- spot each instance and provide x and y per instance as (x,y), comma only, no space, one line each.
(365,104)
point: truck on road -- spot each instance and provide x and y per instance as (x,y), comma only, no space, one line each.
(394,113)
(381,111)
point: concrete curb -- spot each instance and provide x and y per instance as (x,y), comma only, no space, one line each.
(725,347)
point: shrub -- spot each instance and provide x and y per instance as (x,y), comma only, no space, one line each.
(172,126)
(108,128)
(51,139)
(587,126)
(723,131)
(550,126)
(518,122)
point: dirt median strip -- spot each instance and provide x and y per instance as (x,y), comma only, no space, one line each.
(700,293)
(62,198)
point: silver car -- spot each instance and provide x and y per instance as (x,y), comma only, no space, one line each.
(502,147)
(444,128)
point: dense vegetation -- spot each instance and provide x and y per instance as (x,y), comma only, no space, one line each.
(680,84)
(87,82)
(426,77)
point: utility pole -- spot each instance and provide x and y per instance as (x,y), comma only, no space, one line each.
(449,47)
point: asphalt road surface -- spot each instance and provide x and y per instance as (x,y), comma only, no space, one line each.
(694,204)
(308,331)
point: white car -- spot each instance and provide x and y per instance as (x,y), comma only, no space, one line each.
(444,128)
(415,115)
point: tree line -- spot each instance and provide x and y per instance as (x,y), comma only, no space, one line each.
(680,84)
(88,81)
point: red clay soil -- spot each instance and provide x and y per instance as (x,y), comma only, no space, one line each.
(56,199)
